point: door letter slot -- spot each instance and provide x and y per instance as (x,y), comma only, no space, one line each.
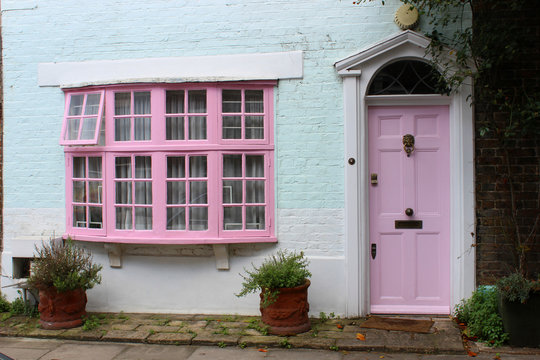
(408,224)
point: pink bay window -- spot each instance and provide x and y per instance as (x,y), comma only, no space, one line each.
(182,163)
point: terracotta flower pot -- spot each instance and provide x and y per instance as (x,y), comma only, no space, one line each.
(61,310)
(289,314)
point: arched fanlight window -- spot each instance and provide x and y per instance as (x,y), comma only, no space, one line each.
(406,77)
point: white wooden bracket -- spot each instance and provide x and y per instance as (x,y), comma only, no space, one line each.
(221,251)
(115,255)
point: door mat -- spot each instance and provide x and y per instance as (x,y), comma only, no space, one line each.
(398,324)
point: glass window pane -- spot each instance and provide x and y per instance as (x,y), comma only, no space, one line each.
(232,127)
(143,167)
(254,101)
(79,167)
(232,166)
(72,131)
(176,218)
(174,128)
(198,192)
(254,166)
(122,103)
(232,218)
(75,105)
(254,127)
(143,218)
(79,191)
(95,195)
(143,192)
(196,101)
(122,129)
(197,167)
(92,104)
(176,167)
(142,102)
(79,216)
(255,191)
(255,218)
(197,127)
(94,167)
(231,101)
(123,167)
(88,128)
(176,192)
(232,191)
(175,102)
(198,218)
(124,218)
(142,128)
(123,192)
(96,218)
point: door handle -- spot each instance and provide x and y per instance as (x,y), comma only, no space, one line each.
(409,212)
(373,251)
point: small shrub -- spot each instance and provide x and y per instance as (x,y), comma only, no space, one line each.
(281,270)
(481,316)
(64,266)
(5,306)
(515,287)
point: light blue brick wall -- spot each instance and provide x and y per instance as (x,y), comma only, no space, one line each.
(309,113)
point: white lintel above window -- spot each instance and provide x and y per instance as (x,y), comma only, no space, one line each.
(237,67)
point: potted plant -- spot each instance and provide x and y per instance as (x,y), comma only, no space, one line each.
(519,306)
(282,280)
(62,272)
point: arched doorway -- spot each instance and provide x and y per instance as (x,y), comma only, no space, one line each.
(392,80)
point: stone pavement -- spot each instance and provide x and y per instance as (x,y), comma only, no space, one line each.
(150,336)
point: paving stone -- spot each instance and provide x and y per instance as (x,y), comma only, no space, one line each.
(261,341)
(179,323)
(336,334)
(80,334)
(125,336)
(158,328)
(311,342)
(24,354)
(125,327)
(155,352)
(84,351)
(170,338)
(42,333)
(411,342)
(208,338)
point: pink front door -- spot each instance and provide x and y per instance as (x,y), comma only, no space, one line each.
(409,210)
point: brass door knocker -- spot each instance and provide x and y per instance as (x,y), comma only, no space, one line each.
(408,144)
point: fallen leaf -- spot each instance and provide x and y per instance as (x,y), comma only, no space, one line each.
(339,326)
(497,357)
(381,357)
(471,354)
(361,337)
(263,350)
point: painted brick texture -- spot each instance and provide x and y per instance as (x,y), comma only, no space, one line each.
(494,230)
(309,112)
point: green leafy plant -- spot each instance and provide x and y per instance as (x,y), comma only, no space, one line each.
(481,316)
(280,270)
(284,343)
(64,266)
(5,306)
(90,323)
(516,287)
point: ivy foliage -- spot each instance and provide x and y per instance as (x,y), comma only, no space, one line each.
(64,266)
(281,270)
(480,314)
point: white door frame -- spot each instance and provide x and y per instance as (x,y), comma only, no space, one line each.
(357,72)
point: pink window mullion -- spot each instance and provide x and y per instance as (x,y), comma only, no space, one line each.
(213,133)
(159,193)
(157,122)
(213,193)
